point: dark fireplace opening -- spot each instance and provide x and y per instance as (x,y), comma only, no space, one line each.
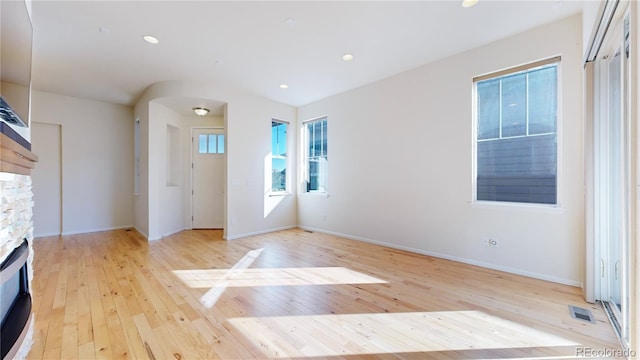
(15,301)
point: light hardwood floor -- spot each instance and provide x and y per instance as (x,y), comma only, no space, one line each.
(290,294)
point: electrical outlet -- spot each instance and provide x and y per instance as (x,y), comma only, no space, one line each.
(490,242)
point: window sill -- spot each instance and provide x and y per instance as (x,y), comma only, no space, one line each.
(279,194)
(316,194)
(556,208)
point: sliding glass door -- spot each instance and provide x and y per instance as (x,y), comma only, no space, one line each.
(613,178)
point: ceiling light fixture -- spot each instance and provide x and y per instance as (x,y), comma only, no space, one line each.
(290,21)
(200,111)
(347,57)
(469,3)
(150,39)
(284,86)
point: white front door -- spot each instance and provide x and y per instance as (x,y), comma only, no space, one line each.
(207,178)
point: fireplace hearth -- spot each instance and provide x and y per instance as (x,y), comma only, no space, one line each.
(15,301)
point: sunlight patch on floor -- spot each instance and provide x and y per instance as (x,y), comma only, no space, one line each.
(208,278)
(218,280)
(388,333)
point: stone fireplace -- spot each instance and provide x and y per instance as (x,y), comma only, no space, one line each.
(16,250)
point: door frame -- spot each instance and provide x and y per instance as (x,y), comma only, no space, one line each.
(598,180)
(192,130)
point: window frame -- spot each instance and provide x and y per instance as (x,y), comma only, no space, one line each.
(285,158)
(136,155)
(523,68)
(306,158)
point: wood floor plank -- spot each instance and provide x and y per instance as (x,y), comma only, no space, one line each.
(305,295)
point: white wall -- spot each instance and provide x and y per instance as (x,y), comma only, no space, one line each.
(248,140)
(400,164)
(97,160)
(166,210)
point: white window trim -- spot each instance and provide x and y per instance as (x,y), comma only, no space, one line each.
(304,158)
(286,191)
(136,155)
(559,139)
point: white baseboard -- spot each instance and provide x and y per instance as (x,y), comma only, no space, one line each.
(35,236)
(85,231)
(453,258)
(141,232)
(239,236)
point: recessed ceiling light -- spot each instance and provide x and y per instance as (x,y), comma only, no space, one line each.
(201,111)
(290,21)
(469,3)
(150,39)
(347,57)
(284,86)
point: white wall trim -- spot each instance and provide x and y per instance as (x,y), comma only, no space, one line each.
(141,232)
(76,232)
(239,236)
(173,232)
(46,235)
(158,237)
(453,258)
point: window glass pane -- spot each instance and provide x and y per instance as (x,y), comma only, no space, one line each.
(278,138)
(274,137)
(519,169)
(311,139)
(543,98)
(202,143)
(324,137)
(313,175)
(318,138)
(514,105)
(278,174)
(278,156)
(212,143)
(220,143)
(317,155)
(488,93)
(282,139)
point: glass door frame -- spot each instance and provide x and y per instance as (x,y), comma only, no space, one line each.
(612,178)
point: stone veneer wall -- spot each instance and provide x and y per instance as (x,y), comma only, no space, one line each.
(16,224)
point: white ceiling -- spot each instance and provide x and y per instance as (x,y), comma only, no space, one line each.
(94,49)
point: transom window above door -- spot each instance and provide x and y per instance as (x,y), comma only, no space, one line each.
(211,143)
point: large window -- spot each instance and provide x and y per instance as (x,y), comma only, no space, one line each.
(516,143)
(278,156)
(315,145)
